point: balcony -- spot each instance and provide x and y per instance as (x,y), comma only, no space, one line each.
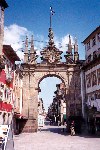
(9,77)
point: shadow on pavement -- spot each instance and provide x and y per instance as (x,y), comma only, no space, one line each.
(63,131)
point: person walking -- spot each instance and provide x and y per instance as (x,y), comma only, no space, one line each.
(72,128)
(58,123)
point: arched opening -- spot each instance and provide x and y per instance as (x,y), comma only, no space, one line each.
(52,96)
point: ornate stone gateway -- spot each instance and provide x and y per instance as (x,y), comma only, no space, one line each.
(33,73)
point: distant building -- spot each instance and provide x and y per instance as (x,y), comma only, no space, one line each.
(61,103)
(90,75)
(40,107)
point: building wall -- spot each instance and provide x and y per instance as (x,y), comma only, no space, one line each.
(18,91)
(6,95)
(92,77)
(90,48)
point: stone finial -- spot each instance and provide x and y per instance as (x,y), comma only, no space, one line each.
(75,45)
(69,45)
(32,55)
(26,45)
(26,50)
(76,55)
(69,56)
(51,38)
(32,45)
(69,40)
(32,41)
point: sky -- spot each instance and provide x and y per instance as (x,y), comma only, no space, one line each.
(32,17)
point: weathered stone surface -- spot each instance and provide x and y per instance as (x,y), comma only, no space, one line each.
(30,126)
(69,74)
(51,66)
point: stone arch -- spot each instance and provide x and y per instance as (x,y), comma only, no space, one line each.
(51,75)
(39,76)
(31,80)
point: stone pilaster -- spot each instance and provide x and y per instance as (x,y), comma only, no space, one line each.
(30,125)
(30,105)
(25,110)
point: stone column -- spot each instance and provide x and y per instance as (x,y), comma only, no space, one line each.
(67,96)
(30,109)
(25,110)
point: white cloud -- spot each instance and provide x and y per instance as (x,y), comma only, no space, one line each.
(63,42)
(14,35)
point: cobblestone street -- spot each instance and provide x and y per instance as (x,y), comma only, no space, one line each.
(52,138)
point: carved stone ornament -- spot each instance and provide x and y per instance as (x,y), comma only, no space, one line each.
(50,53)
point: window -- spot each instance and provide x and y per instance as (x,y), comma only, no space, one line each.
(88,45)
(89,58)
(99,37)
(94,55)
(98,96)
(98,52)
(88,80)
(93,41)
(98,76)
(94,78)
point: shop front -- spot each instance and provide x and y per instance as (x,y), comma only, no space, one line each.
(5,113)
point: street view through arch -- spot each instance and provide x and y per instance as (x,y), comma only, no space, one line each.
(48,87)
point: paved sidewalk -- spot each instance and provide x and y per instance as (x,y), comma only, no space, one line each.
(52,138)
(10,142)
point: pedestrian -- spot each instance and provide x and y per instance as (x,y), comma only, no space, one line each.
(72,128)
(58,123)
(65,124)
(40,129)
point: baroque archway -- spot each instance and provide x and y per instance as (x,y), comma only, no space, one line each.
(51,65)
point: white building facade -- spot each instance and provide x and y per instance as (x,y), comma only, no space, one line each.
(90,75)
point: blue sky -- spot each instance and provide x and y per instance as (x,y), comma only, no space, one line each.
(75,17)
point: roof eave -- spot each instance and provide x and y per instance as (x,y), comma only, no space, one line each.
(97,29)
(3,3)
